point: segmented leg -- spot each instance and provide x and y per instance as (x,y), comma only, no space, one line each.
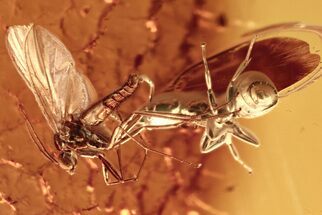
(108,168)
(210,92)
(118,137)
(245,62)
(240,69)
(213,137)
(234,152)
(130,128)
(218,134)
(243,134)
(117,145)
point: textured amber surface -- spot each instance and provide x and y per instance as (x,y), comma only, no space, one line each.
(112,38)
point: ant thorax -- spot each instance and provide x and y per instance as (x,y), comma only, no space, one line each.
(253,94)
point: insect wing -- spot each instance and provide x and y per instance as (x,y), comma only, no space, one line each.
(48,69)
(289,54)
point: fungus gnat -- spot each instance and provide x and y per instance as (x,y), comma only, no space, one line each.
(67,100)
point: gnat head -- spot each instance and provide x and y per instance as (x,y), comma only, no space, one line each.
(253,93)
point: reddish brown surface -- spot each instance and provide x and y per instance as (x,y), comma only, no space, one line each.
(108,39)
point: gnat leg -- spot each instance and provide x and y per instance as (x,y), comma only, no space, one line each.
(129,124)
(234,152)
(131,128)
(118,149)
(128,131)
(117,140)
(109,169)
(119,137)
(146,148)
(119,158)
(136,177)
(210,92)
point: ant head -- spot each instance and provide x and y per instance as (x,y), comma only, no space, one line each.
(255,94)
(68,161)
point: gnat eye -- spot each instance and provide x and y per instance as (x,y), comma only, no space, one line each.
(255,94)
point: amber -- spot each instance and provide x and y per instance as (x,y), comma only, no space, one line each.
(109,39)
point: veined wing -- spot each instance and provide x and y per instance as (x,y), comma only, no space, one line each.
(49,71)
(289,54)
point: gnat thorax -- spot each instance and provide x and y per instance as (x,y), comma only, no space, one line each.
(72,133)
(253,93)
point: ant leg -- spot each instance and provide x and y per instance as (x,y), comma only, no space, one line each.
(243,134)
(210,92)
(218,134)
(245,62)
(234,152)
(134,178)
(214,136)
(230,89)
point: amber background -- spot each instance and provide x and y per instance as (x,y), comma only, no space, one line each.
(108,40)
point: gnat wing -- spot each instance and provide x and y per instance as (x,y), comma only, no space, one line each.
(49,71)
(289,54)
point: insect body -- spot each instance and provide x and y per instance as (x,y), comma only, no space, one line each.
(245,81)
(67,99)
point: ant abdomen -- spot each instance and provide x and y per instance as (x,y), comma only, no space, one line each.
(253,94)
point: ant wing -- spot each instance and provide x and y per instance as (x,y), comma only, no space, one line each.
(49,71)
(289,54)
